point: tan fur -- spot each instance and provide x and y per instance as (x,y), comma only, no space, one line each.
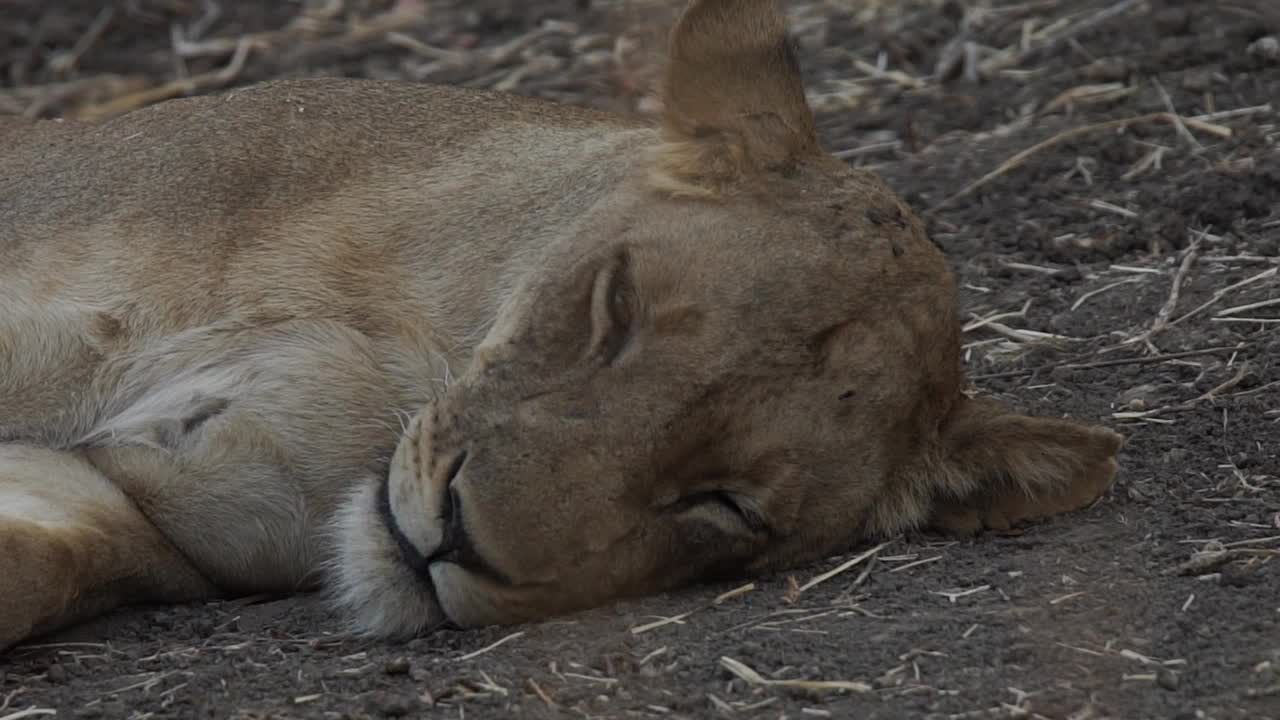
(580,357)
(67,528)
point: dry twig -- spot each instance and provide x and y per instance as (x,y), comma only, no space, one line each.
(1073,133)
(490,647)
(752,677)
(842,567)
(1016,56)
(133,101)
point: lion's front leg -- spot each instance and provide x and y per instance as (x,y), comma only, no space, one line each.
(73,546)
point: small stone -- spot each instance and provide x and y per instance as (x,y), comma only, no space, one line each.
(1197,80)
(1167,679)
(397,666)
(1237,576)
(56,674)
(91,711)
(1267,48)
(1143,393)
(389,705)
(1172,20)
(596,59)
(1061,374)
(1107,70)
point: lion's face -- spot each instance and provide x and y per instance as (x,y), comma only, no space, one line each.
(744,359)
(682,390)
(718,370)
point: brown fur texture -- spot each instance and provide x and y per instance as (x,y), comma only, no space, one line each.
(464,356)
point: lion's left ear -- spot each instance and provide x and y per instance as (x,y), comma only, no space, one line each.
(733,98)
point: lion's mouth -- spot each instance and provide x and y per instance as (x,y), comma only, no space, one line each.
(409,554)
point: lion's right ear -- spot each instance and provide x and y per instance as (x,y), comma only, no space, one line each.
(733,98)
(1002,468)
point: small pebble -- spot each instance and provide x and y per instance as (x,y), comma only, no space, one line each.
(1197,80)
(1236,576)
(1143,392)
(1107,70)
(1172,20)
(1061,374)
(397,666)
(389,705)
(1267,48)
(1167,679)
(56,674)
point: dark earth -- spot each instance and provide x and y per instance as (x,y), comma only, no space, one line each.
(1125,274)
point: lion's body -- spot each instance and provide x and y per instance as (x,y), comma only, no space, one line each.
(306,202)
(474,356)
(318,289)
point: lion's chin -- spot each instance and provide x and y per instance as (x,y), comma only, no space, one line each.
(368,579)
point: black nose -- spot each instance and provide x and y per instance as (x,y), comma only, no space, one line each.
(456,543)
(457,546)
(454,531)
(455,467)
(408,552)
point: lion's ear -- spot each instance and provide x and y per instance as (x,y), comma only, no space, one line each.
(1003,468)
(733,98)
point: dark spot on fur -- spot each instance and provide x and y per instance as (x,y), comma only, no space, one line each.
(108,329)
(846,394)
(820,345)
(791,54)
(706,132)
(883,216)
(207,412)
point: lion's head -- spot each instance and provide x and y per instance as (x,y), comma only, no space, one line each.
(747,358)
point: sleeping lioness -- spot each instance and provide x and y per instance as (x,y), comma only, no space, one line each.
(467,357)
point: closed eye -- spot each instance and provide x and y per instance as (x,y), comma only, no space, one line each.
(741,507)
(612,311)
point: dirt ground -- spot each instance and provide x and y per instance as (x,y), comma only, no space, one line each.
(1105,177)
